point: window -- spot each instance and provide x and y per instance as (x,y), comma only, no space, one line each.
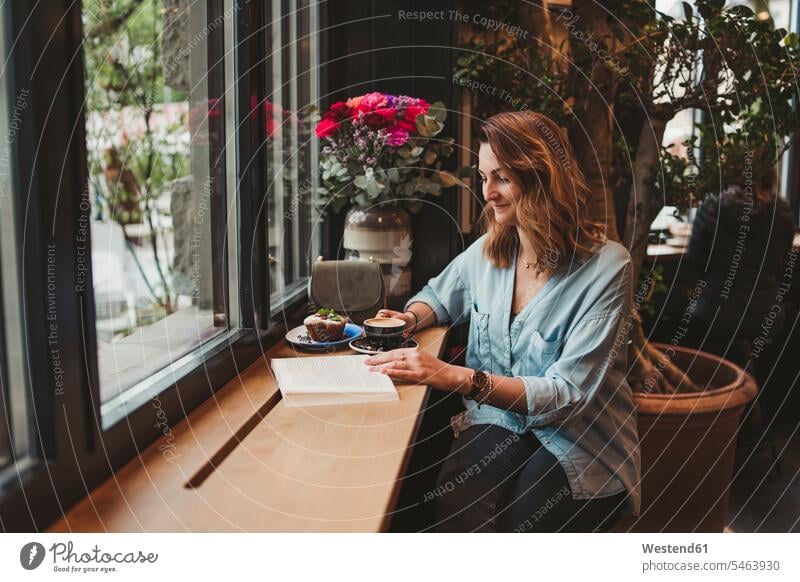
(13,409)
(157,217)
(137,228)
(292,74)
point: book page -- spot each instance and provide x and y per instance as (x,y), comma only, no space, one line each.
(329,374)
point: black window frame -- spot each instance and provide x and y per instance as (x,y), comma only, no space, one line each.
(72,452)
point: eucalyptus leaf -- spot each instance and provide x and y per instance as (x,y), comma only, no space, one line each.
(446,179)
(438,111)
(421,127)
(414,206)
(432,126)
(687,10)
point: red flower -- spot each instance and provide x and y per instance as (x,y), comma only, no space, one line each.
(270,124)
(337,112)
(409,126)
(327,127)
(412,111)
(380,118)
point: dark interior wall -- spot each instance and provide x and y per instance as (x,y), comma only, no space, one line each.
(366,47)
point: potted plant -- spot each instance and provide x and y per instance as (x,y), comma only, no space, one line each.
(380,156)
(614,76)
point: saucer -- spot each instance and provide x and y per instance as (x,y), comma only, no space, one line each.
(299,337)
(366,346)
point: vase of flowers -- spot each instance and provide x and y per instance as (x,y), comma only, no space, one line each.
(380,157)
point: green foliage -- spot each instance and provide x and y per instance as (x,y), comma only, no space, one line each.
(737,69)
(403,175)
(741,73)
(652,288)
(504,75)
(124,72)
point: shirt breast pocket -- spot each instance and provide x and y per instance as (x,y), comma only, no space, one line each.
(545,351)
(479,353)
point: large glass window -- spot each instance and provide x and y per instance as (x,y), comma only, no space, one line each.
(14,107)
(13,426)
(155,250)
(293,230)
(157,225)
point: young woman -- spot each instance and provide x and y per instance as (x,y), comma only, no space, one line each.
(548,439)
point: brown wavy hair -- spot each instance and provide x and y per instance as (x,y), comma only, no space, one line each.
(553,209)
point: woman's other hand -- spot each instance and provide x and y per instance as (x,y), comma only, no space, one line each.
(419,367)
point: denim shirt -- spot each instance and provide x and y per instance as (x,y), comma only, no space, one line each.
(568,345)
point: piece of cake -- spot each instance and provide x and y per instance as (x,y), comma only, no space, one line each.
(325,325)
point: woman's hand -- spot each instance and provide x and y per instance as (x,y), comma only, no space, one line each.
(420,367)
(407,317)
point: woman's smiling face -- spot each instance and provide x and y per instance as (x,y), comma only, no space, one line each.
(499,190)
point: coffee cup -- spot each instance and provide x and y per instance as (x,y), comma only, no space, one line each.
(386,331)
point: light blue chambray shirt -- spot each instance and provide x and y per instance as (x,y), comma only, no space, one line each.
(569,347)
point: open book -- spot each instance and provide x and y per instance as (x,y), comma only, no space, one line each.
(325,380)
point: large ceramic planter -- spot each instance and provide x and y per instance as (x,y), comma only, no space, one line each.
(383,233)
(688,444)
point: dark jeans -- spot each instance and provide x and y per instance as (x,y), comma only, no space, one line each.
(496,480)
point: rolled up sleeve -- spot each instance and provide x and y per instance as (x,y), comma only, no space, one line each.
(571,382)
(590,350)
(447,294)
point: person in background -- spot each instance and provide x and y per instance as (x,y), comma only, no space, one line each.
(547,440)
(737,251)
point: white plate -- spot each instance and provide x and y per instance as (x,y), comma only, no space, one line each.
(299,337)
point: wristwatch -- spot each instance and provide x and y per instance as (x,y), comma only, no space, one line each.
(481,383)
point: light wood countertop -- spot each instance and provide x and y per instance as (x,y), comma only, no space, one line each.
(257,465)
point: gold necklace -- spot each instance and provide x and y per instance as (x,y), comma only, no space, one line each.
(527,264)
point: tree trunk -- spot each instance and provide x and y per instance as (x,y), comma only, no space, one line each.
(542,42)
(592,136)
(651,371)
(643,203)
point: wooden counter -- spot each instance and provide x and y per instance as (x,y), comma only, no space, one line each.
(244,462)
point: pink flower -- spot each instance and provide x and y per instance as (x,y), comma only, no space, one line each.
(372,101)
(354,102)
(397,137)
